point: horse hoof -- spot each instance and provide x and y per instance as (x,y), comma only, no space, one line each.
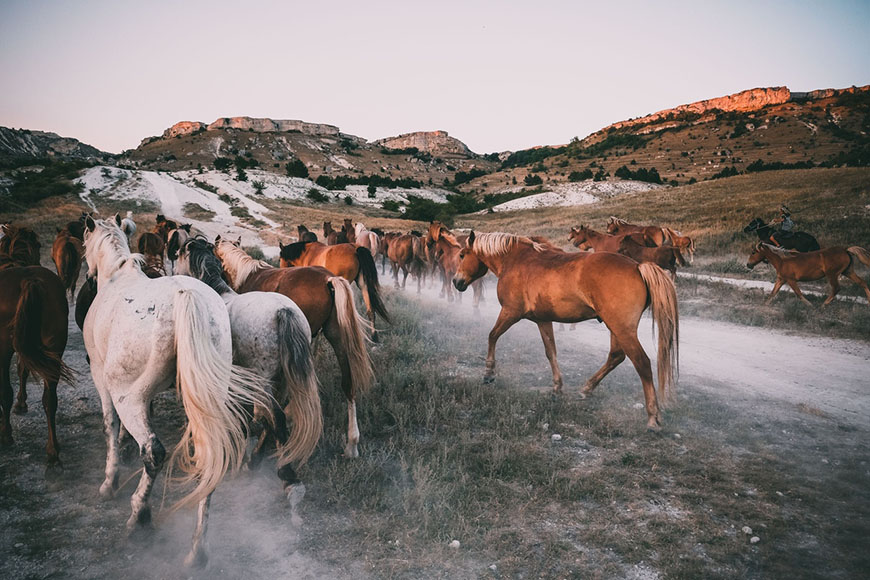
(488,379)
(20,409)
(197,558)
(6,440)
(654,428)
(53,469)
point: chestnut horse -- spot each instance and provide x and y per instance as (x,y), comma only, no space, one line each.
(67,252)
(331,236)
(446,248)
(665,257)
(586,238)
(793,267)
(545,286)
(353,263)
(400,251)
(652,235)
(327,302)
(33,323)
(349,231)
(152,248)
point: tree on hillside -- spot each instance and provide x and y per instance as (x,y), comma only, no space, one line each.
(296,168)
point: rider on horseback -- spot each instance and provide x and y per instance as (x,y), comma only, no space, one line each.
(785,225)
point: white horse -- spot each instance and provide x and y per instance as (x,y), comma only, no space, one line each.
(367,239)
(271,337)
(143,334)
(128,226)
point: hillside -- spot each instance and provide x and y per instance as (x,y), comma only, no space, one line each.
(22,145)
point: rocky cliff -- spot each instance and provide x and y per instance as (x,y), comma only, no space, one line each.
(252,124)
(436,143)
(25,143)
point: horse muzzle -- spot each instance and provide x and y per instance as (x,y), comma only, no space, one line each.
(460,284)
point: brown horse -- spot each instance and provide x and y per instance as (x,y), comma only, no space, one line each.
(152,247)
(354,264)
(400,251)
(327,302)
(447,248)
(305,235)
(349,231)
(19,246)
(67,252)
(33,323)
(652,235)
(684,243)
(793,267)
(586,238)
(665,257)
(333,237)
(164,226)
(544,286)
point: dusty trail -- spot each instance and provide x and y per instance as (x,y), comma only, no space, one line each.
(759,365)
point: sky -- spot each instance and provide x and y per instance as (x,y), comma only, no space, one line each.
(498,75)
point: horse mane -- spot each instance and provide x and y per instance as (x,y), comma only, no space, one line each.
(498,244)
(242,263)
(108,238)
(785,253)
(293,251)
(449,237)
(618,221)
(205,266)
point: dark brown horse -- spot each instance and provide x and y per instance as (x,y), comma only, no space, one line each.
(305,235)
(354,264)
(164,226)
(19,246)
(545,286)
(333,237)
(652,235)
(152,247)
(67,252)
(793,267)
(33,323)
(665,257)
(349,231)
(327,302)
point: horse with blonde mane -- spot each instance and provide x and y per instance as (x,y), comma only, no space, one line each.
(545,286)
(271,337)
(792,267)
(142,335)
(327,302)
(366,239)
(447,248)
(652,235)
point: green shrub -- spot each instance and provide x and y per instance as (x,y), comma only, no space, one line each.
(391,205)
(532,179)
(316,195)
(296,168)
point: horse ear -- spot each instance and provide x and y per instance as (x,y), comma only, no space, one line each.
(471,238)
(118,219)
(217,239)
(239,242)
(90,224)
(281,246)
(186,227)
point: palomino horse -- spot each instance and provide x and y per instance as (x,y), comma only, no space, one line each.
(586,238)
(67,252)
(447,248)
(141,336)
(327,301)
(33,323)
(793,267)
(271,337)
(800,241)
(152,247)
(652,235)
(353,263)
(546,286)
(665,257)
(366,239)
(331,236)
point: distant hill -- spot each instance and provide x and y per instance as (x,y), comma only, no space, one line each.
(21,145)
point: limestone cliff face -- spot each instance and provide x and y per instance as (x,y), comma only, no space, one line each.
(25,143)
(436,143)
(183,128)
(272,125)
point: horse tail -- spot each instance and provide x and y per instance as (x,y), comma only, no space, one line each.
(300,384)
(368,282)
(27,334)
(68,266)
(214,393)
(663,307)
(352,332)
(860,253)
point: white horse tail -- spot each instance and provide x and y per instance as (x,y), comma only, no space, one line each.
(214,393)
(352,329)
(860,253)
(665,314)
(299,386)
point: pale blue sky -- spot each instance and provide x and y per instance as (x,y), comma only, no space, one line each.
(497,75)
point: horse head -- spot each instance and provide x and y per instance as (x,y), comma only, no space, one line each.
(754,225)
(470,267)
(757,256)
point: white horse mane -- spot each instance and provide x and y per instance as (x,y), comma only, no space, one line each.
(107,240)
(241,264)
(497,244)
(785,253)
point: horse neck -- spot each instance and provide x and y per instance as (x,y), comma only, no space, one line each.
(495,262)
(239,266)
(772,256)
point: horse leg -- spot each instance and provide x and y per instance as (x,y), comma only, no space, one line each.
(133,412)
(20,407)
(111,428)
(546,330)
(351,449)
(850,273)
(614,359)
(49,404)
(834,283)
(198,556)
(477,287)
(776,286)
(798,293)
(5,395)
(504,321)
(633,349)
(405,279)
(395,275)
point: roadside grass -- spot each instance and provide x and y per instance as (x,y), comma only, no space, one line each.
(446,458)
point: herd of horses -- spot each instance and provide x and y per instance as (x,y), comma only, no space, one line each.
(233,334)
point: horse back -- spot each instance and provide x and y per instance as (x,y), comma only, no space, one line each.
(308,287)
(55,309)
